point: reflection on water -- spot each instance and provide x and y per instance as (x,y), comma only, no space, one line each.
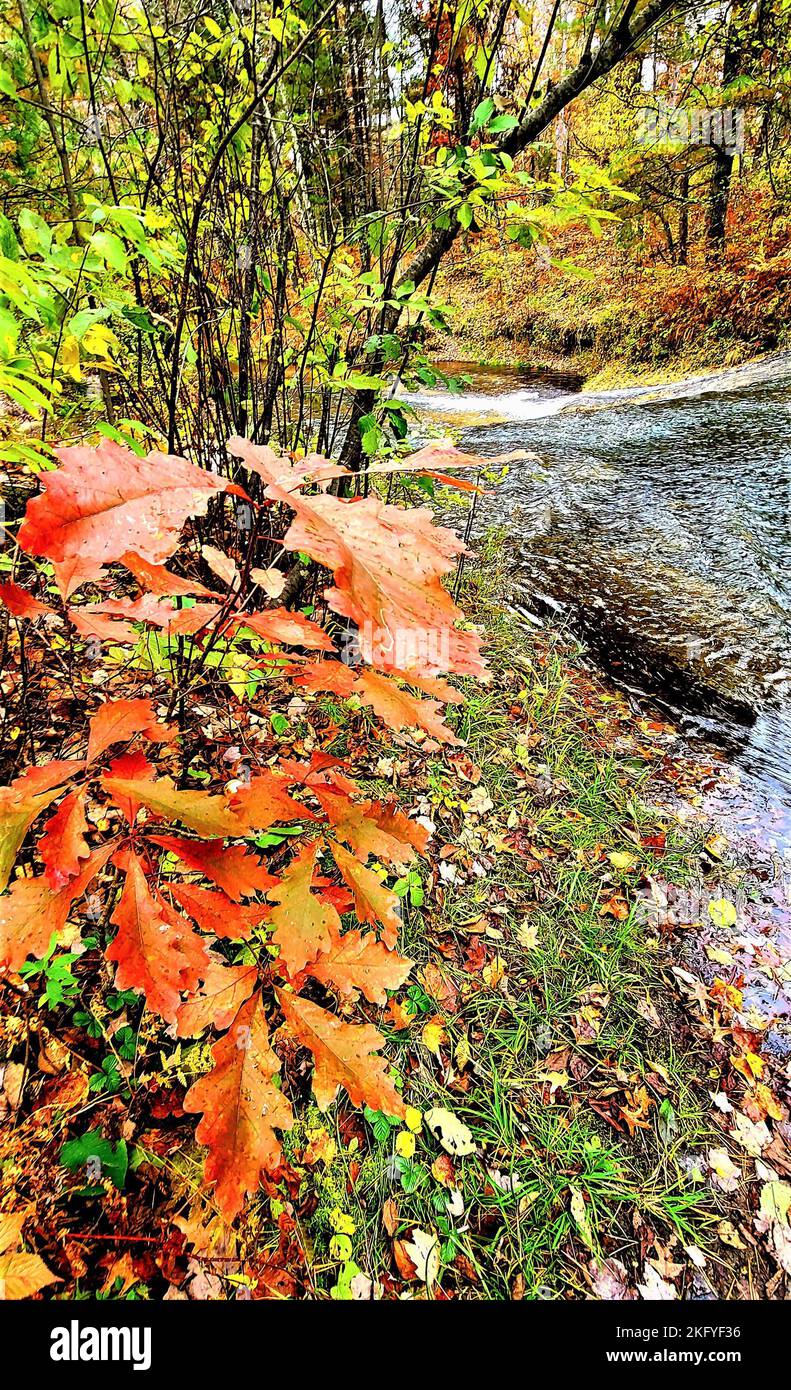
(658,523)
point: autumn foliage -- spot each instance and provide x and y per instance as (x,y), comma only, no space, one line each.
(180,882)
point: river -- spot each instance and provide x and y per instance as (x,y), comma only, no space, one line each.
(657,526)
(655,523)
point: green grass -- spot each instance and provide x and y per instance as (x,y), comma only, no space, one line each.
(570,1187)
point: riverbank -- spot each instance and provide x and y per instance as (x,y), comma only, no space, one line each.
(610,1125)
(605,315)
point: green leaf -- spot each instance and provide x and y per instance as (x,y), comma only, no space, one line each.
(9,246)
(9,333)
(36,235)
(111,249)
(482,113)
(465,215)
(96,1156)
(501,123)
(7,83)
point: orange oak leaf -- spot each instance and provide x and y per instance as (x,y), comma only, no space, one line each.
(21,604)
(323,770)
(158,580)
(132,767)
(344,1055)
(89,623)
(357,961)
(116,721)
(220,564)
(63,843)
(31,911)
(372,901)
(241,1108)
(152,954)
(193,947)
(302,923)
(189,622)
(20,804)
(216,913)
(214,1005)
(387,564)
(434,686)
(112,621)
(53,774)
(278,625)
(325,675)
(202,812)
(264,800)
(399,709)
(372,828)
(230,867)
(273,468)
(103,502)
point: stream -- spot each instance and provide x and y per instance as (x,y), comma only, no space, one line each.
(655,523)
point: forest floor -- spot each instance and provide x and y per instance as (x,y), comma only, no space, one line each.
(615,1126)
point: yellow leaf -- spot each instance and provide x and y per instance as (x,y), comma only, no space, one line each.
(433,1036)
(414,1119)
(453,1135)
(528,936)
(70,357)
(720,957)
(405,1144)
(622,860)
(342,1224)
(423,1251)
(722,912)
(494,972)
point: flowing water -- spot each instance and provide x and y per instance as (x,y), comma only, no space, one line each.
(656,522)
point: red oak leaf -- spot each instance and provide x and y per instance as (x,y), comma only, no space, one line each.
(241,1108)
(202,812)
(214,1005)
(31,911)
(216,913)
(63,843)
(344,1054)
(372,901)
(361,962)
(103,502)
(399,709)
(278,625)
(302,923)
(387,564)
(325,675)
(230,867)
(264,800)
(20,804)
(116,721)
(158,580)
(22,604)
(152,953)
(371,828)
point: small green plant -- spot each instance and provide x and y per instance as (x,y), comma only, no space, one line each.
(98,1158)
(410,886)
(60,986)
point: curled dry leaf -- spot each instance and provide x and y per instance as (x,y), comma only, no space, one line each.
(453,1135)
